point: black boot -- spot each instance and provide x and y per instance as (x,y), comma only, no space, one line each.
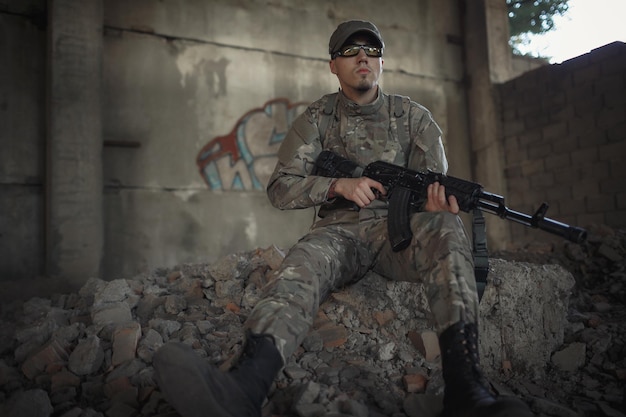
(467,392)
(197,389)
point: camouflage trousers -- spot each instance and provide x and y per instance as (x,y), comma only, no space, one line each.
(332,256)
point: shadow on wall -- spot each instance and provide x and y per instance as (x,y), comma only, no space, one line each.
(245,158)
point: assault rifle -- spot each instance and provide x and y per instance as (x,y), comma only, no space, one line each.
(407,193)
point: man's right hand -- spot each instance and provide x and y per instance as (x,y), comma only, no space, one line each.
(361,191)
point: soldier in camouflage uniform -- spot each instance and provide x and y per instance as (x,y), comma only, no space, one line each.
(349,239)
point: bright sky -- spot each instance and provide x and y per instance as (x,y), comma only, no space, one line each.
(588,24)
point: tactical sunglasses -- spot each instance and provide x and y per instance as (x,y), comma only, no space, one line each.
(353,50)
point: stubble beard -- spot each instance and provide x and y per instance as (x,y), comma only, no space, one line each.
(365,85)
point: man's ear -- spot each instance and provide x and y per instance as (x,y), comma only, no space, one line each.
(333,69)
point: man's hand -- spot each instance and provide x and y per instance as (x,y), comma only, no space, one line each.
(437,200)
(361,191)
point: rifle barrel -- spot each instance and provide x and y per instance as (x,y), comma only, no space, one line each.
(539,221)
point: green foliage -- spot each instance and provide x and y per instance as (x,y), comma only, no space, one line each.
(533,16)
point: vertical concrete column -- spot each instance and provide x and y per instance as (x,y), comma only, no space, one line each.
(488,61)
(74,212)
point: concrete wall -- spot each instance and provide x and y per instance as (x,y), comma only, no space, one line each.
(207,91)
(22,131)
(565,140)
(196,96)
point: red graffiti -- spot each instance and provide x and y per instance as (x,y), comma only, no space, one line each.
(255,137)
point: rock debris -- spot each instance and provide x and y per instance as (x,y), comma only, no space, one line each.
(553,321)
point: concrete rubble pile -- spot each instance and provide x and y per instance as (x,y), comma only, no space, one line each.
(552,322)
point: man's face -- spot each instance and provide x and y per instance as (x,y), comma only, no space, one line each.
(358,73)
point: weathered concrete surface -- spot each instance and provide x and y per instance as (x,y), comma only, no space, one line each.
(74,220)
(22,117)
(524,315)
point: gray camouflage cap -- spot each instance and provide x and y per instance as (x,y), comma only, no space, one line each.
(346,29)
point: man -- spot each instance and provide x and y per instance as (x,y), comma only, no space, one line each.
(363,124)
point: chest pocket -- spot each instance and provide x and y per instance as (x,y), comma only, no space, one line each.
(398,122)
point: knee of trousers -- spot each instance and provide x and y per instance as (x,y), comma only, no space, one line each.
(440,225)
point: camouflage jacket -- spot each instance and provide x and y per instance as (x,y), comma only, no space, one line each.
(363,134)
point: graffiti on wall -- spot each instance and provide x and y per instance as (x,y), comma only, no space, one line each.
(245,158)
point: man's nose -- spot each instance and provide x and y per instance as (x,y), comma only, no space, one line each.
(362,56)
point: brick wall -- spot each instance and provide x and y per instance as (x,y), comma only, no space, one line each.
(564,133)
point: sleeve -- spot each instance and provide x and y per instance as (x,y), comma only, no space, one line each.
(427,150)
(291,185)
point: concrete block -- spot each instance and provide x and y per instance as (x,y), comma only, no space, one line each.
(427,343)
(384,317)
(229,267)
(113,291)
(307,393)
(122,391)
(63,379)
(273,256)
(87,356)
(175,303)
(523,314)
(386,351)
(415,382)
(149,344)
(51,353)
(125,339)
(333,335)
(111,314)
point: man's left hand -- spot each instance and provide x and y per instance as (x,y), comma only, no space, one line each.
(437,200)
